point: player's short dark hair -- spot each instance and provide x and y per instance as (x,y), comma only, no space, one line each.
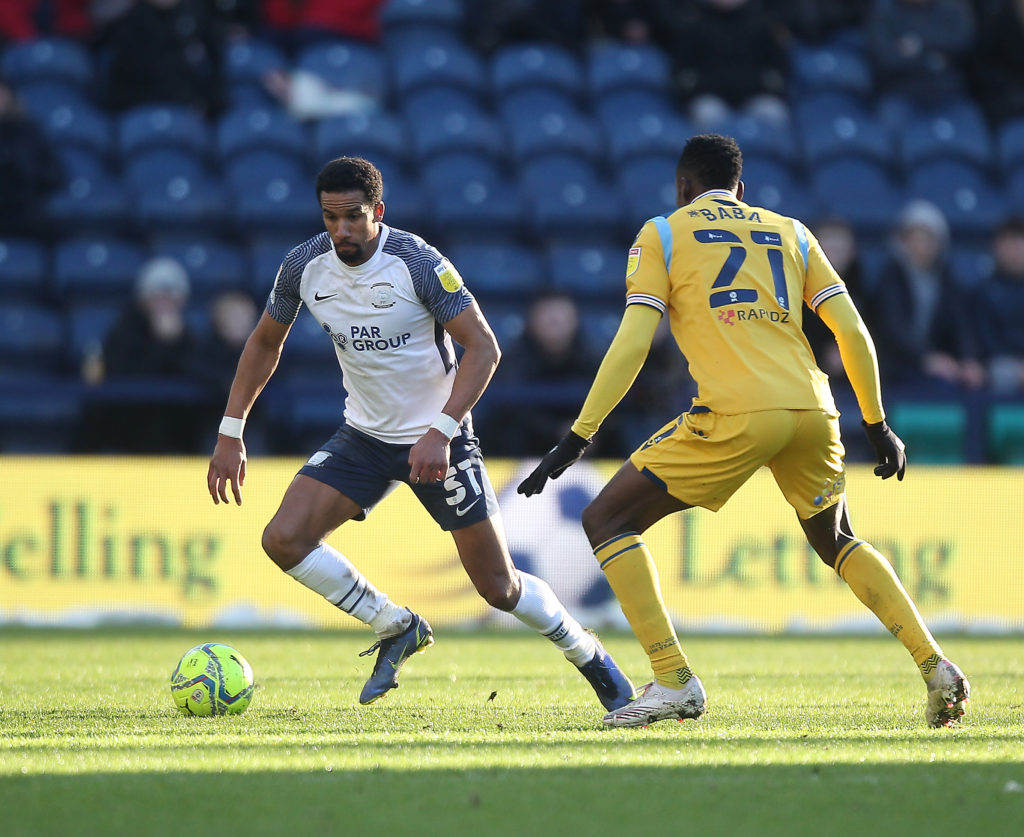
(713,160)
(345,174)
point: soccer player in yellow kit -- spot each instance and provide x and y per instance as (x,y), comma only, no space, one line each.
(732,279)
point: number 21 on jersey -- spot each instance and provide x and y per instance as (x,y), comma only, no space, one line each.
(769,243)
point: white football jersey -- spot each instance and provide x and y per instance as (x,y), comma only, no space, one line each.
(385,318)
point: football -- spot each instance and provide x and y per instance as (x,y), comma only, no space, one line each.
(212,679)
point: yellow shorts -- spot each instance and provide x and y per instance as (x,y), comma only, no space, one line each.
(702,458)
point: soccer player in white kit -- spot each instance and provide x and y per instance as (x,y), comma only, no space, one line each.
(392,305)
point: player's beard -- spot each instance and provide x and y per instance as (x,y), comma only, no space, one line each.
(351,253)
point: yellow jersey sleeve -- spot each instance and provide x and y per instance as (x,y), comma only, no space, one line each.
(647,276)
(821,281)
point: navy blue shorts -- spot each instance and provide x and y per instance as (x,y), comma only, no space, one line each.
(366,470)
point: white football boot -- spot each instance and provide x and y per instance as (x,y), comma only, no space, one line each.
(948,692)
(659,703)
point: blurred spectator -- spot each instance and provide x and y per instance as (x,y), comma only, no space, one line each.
(1000,311)
(298,23)
(143,402)
(29,170)
(997,62)
(729,56)
(164,51)
(492,24)
(818,21)
(629,21)
(541,380)
(839,243)
(922,326)
(307,96)
(23,20)
(917,48)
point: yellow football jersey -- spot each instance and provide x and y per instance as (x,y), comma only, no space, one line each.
(732,279)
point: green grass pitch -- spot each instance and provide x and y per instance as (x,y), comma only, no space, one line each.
(815,736)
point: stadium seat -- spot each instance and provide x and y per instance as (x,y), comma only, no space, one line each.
(829,67)
(95,203)
(957,132)
(765,138)
(163,126)
(347,65)
(40,98)
(95,269)
(24,269)
(433,64)
(274,203)
(499,270)
(404,202)
(213,266)
(590,271)
(971,265)
(1011,145)
(79,124)
(858,190)
(507,319)
(31,338)
(362,135)
(89,324)
(81,162)
(171,190)
(773,186)
(265,255)
(845,133)
(48,59)
(972,204)
(556,131)
(533,103)
(156,164)
(567,199)
(613,67)
(415,13)
(469,192)
(647,187)
(1006,434)
(247,63)
(932,432)
(469,130)
(1016,191)
(649,133)
(529,65)
(247,129)
(262,165)
(427,103)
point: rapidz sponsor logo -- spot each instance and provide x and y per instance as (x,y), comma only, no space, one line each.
(727,317)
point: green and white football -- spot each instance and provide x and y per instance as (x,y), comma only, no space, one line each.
(212,679)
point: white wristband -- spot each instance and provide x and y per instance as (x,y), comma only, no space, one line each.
(230,426)
(446,425)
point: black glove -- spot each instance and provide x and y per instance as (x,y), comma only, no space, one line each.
(560,457)
(889,450)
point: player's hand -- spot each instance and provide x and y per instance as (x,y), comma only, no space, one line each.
(428,458)
(227,466)
(889,450)
(560,457)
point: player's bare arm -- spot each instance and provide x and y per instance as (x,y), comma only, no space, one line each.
(258,361)
(428,458)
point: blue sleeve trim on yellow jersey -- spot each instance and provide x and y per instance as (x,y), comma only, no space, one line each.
(665,234)
(645,299)
(801,240)
(826,293)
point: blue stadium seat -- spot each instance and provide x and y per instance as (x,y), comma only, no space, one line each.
(957,132)
(265,255)
(247,129)
(31,338)
(590,270)
(825,106)
(415,13)
(447,171)
(246,64)
(469,192)
(507,319)
(1011,144)
(499,270)
(89,323)
(970,265)
(263,165)
(95,269)
(556,131)
(566,198)
(48,59)
(860,191)
(159,164)
(533,103)
(269,196)
(646,134)
(428,103)
(362,135)
(853,132)
(469,130)
(24,268)
(40,98)
(772,185)
(79,124)
(647,187)
(828,67)
(518,66)
(81,162)
(433,64)
(163,126)
(193,203)
(764,138)
(972,204)
(614,66)
(38,412)
(356,67)
(95,203)
(1016,191)
(404,203)
(213,265)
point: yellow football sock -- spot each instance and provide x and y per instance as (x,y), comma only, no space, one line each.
(630,570)
(875,583)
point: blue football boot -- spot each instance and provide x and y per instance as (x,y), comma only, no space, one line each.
(394,651)
(613,688)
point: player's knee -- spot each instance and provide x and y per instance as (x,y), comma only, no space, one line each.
(282,546)
(596,523)
(500,594)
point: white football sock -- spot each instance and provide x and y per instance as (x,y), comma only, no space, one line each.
(334,577)
(539,608)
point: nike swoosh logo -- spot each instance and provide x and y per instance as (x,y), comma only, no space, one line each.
(319,298)
(461,512)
